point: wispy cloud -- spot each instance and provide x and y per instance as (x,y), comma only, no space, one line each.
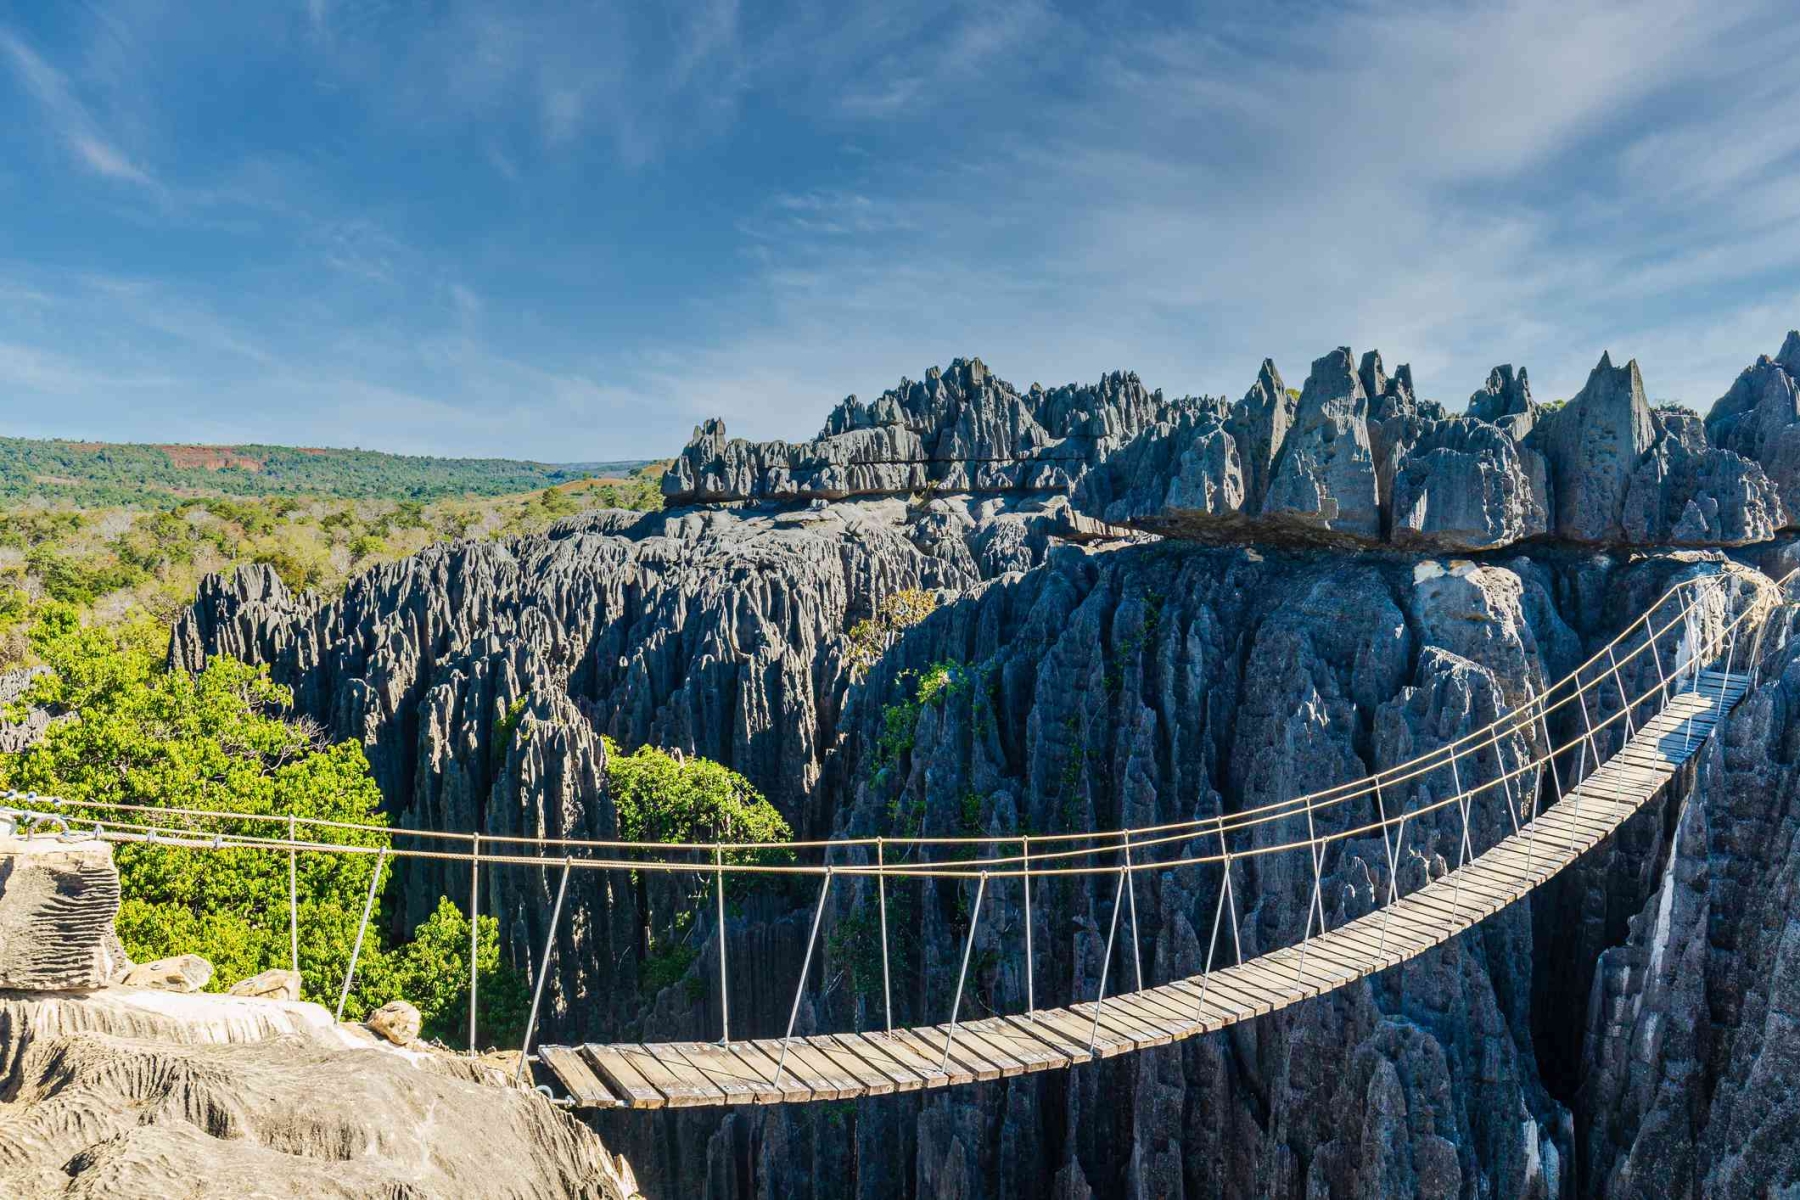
(67,117)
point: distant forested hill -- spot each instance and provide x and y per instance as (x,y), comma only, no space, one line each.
(99,474)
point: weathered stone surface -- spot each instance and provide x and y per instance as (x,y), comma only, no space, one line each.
(1465,485)
(57,904)
(1324,479)
(1759,418)
(182,973)
(1686,493)
(1594,444)
(397,1021)
(130,1092)
(955,430)
(1505,400)
(275,984)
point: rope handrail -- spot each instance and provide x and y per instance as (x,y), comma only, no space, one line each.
(192,838)
(1421,765)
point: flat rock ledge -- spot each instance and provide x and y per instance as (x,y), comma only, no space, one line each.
(135,1091)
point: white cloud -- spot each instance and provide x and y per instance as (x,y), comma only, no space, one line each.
(67,116)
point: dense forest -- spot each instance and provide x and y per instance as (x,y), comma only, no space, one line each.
(113,552)
(98,474)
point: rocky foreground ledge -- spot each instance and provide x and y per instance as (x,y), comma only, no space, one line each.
(1354,458)
(113,1090)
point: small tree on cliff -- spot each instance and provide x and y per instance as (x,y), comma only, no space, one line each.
(898,611)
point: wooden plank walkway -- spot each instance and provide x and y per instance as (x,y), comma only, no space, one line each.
(845,1065)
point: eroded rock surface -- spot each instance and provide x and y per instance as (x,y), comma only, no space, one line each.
(58,900)
(129,1092)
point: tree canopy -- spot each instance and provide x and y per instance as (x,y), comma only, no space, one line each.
(134,733)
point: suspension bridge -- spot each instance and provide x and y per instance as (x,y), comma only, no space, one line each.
(1633,717)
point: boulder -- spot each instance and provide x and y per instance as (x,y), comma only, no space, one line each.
(397,1021)
(276,984)
(182,973)
(57,904)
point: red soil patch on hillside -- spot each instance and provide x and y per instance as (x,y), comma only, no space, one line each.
(210,458)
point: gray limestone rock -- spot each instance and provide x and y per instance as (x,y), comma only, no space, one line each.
(1759,418)
(1594,444)
(957,430)
(1686,493)
(1325,477)
(135,1093)
(16,736)
(1505,400)
(1466,485)
(57,904)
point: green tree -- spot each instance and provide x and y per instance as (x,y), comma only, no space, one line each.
(664,797)
(216,742)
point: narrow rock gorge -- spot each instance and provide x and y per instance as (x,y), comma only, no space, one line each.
(1150,610)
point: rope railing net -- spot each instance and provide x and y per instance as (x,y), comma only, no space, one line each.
(1705,616)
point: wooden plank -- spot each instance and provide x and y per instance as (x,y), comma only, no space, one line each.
(1030,1052)
(1306,969)
(622,1077)
(872,1080)
(1232,982)
(1057,1041)
(1332,947)
(990,1063)
(961,1068)
(1368,946)
(583,1086)
(908,1054)
(792,1067)
(822,1067)
(1281,991)
(1143,1008)
(760,1067)
(877,1059)
(1348,951)
(1128,1021)
(1220,1008)
(673,1077)
(1077,1029)
(721,1068)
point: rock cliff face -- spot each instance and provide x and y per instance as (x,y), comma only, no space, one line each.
(1097,682)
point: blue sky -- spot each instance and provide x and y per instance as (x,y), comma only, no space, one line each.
(571,231)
